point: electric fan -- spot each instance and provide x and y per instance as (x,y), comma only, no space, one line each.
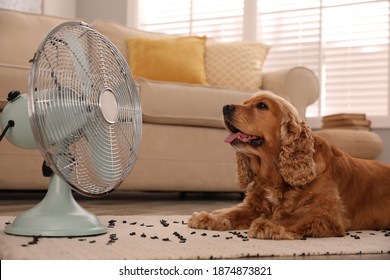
(83,112)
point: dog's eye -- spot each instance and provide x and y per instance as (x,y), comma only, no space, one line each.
(262,106)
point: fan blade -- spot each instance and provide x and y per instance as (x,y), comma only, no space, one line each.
(62,118)
(80,61)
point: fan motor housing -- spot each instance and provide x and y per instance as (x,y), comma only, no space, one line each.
(21,134)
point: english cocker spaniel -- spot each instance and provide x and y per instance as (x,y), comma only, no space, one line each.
(297,185)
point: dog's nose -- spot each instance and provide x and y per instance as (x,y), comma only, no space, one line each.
(228,109)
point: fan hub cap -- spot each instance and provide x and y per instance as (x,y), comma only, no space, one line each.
(109,106)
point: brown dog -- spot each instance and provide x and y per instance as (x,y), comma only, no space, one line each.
(296,184)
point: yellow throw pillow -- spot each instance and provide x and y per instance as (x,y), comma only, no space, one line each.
(173,59)
(236,65)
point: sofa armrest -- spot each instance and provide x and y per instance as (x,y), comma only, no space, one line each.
(299,85)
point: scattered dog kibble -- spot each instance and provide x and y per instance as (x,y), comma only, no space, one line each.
(238,234)
(111,223)
(182,239)
(164,223)
(242,235)
(33,242)
(113,237)
(355,236)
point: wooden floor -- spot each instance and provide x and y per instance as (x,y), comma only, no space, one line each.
(145,203)
(127,203)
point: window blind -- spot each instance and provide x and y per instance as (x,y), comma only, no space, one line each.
(345,42)
(218,19)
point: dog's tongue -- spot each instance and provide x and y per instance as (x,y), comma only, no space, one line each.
(243,137)
(231,137)
(255,141)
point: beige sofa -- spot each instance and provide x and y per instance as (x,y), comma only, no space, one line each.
(182,147)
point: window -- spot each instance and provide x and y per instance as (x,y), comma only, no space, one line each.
(345,42)
(218,19)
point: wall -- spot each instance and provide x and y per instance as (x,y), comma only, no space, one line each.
(120,11)
(60,8)
(115,10)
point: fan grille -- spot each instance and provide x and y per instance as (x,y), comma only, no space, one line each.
(84,109)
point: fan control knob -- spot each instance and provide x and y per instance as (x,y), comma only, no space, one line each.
(13,95)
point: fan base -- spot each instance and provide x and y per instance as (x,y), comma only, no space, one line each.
(58,214)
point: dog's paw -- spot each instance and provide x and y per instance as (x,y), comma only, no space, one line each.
(266,229)
(204,220)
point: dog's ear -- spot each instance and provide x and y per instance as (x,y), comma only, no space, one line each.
(296,159)
(244,172)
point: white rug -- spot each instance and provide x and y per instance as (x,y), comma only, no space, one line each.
(168,237)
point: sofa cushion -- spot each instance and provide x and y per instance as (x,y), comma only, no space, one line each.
(236,65)
(186,104)
(174,59)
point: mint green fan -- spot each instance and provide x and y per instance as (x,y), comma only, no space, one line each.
(82,111)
